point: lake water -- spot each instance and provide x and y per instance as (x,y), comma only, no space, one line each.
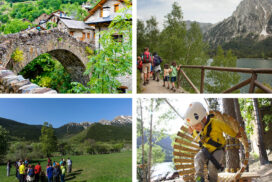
(254,63)
(251,63)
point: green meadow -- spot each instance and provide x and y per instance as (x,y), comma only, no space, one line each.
(115,167)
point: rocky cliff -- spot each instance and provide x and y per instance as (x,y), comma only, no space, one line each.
(252,18)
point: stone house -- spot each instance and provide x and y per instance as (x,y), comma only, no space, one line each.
(101,15)
(42,18)
(54,18)
(78,29)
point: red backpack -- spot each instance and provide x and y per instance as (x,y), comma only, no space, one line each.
(146,57)
(139,64)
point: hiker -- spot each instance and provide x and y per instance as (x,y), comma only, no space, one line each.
(30,174)
(22,172)
(49,172)
(56,173)
(8,167)
(16,164)
(147,59)
(63,171)
(26,162)
(173,69)
(43,179)
(157,67)
(211,140)
(140,65)
(37,172)
(166,72)
(48,160)
(69,163)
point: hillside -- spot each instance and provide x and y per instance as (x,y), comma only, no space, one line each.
(21,130)
(203,26)
(105,133)
(119,128)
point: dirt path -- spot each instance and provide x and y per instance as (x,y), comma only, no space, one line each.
(156,87)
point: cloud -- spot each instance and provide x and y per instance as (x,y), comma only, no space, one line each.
(209,11)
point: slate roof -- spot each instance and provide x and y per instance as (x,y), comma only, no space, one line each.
(107,19)
(74,24)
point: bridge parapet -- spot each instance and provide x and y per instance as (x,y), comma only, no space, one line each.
(12,83)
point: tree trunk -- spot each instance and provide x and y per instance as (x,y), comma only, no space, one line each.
(142,133)
(150,141)
(232,147)
(260,142)
(242,123)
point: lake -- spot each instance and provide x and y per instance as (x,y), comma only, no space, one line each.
(250,63)
(254,63)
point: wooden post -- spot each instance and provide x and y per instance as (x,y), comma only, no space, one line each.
(252,83)
(202,80)
(178,82)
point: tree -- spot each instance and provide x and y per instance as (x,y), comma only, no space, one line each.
(150,140)
(221,81)
(232,154)
(48,139)
(3,141)
(260,141)
(152,34)
(114,59)
(141,37)
(142,134)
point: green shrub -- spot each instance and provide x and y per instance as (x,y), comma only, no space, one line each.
(89,51)
(17,55)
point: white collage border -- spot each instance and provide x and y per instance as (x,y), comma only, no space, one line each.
(134,96)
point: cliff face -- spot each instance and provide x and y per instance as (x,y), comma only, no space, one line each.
(251,18)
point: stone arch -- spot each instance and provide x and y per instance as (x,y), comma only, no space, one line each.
(70,52)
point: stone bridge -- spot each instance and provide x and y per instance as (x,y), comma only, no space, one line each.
(70,52)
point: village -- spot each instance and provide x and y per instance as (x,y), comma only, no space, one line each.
(98,19)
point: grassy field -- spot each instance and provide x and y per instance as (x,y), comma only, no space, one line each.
(115,167)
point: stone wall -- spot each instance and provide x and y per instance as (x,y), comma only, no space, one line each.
(12,83)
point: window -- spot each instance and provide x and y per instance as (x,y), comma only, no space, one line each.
(101,12)
(116,7)
(88,35)
(83,36)
(117,38)
(72,33)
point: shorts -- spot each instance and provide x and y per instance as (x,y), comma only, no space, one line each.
(173,79)
(146,67)
(166,78)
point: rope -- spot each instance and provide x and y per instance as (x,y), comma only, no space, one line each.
(173,108)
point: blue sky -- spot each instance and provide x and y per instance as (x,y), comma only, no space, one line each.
(61,111)
(206,11)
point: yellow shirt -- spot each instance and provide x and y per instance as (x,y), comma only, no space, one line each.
(218,128)
(22,169)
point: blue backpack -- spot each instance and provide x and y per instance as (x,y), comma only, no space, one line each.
(31,172)
(157,60)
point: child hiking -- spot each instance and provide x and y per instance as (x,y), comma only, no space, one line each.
(166,72)
(211,140)
(156,66)
(173,70)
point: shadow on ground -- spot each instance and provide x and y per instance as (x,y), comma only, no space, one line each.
(73,175)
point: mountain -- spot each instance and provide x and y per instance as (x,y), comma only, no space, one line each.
(119,127)
(251,19)
(203,26)
(21,130)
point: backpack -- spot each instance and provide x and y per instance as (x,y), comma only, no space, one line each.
(31,173)
(146,57)
(139,64)
(157,60)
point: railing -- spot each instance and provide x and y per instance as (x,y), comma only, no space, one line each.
(252,81)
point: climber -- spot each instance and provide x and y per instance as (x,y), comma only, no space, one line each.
(208,131)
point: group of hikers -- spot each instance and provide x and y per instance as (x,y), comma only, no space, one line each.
(150,66)
(55,171)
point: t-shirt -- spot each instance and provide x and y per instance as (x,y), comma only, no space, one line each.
(22,169)
(38,169)
(63,170)
(174,71)
(166,72)
(69,162)
(50,172)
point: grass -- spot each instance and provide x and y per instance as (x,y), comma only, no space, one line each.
(115,167)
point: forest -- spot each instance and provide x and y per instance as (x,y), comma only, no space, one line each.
(156,117)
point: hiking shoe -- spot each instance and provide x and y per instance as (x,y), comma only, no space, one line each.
(158,80)
(147,81)
(172,88)
(144,83)
(168,87)
(163,85)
